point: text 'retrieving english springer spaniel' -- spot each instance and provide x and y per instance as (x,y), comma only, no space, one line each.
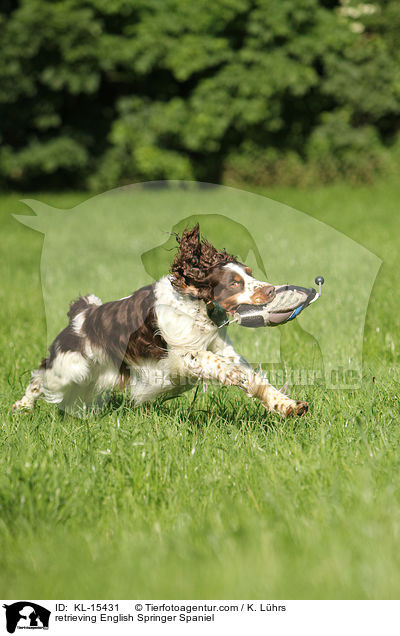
(161,339)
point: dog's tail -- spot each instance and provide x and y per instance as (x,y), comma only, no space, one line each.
(82,303)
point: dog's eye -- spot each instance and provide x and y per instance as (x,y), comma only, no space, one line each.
(235,283)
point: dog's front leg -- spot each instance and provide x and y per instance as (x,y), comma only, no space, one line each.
(206,365)
(273,399)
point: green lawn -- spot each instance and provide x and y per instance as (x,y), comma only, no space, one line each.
(208,497)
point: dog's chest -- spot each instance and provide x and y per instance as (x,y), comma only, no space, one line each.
(182,321)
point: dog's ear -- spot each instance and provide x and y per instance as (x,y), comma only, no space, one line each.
(197,284)
(194,264)
(190,246)
(186,267)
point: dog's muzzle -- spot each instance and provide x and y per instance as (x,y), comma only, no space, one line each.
(263,295)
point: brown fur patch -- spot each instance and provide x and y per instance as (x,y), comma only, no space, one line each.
(126,329)
(194,264)
(78,305)
(67,340)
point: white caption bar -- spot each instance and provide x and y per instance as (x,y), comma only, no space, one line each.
(199,617)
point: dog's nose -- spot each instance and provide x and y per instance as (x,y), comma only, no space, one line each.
(268,292)
(264,294)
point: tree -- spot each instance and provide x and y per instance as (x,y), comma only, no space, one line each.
(105,93)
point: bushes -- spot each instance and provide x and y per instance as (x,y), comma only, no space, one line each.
(98,93)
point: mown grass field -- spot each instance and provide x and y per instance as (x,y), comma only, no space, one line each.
(208,497)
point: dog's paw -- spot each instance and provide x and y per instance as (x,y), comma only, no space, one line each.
(299,409)
(22,405)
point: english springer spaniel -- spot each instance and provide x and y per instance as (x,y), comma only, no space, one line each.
(161,339)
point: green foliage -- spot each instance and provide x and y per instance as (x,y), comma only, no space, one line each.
(292,90)
(43,158)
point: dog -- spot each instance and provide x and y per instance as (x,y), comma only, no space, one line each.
(160,340)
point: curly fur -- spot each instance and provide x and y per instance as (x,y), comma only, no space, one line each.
(194,263)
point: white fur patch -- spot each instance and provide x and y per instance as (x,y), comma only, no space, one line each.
(68,368)
(93,300)
(126,297)
(108,378)
(78,321)
(183,322)
(152,378)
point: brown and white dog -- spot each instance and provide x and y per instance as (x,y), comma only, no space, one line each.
(161,339)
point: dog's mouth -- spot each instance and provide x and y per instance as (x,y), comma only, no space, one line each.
(288,302)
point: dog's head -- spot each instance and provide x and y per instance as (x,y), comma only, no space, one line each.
(202,271)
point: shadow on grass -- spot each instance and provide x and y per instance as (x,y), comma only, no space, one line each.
(196,410)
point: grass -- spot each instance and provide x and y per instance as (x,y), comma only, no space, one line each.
(207,497)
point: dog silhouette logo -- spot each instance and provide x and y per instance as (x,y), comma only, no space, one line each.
(26,615)
(116,242)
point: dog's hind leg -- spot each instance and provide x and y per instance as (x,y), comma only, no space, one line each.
(32,392)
